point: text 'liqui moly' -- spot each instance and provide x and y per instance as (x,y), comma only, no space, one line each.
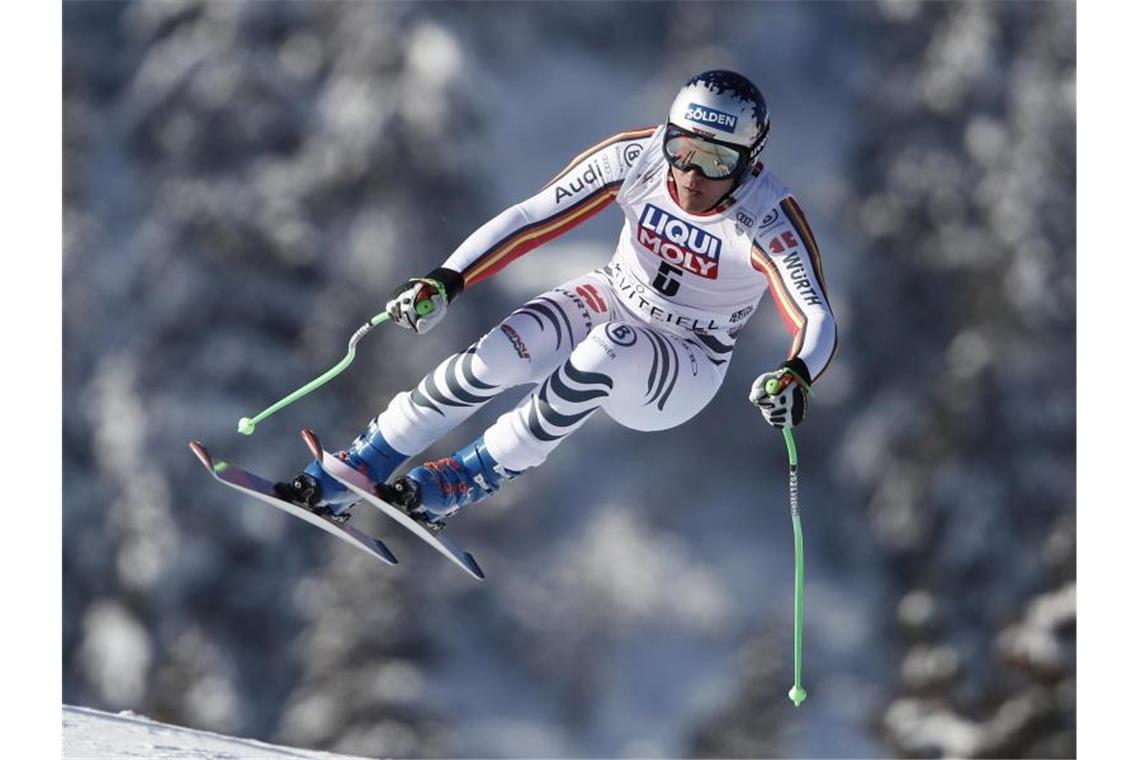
(678,242)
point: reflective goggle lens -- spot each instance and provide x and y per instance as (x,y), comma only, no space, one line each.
(685,151)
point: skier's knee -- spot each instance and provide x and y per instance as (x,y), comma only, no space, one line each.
(502,358)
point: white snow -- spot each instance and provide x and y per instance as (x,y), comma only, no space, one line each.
(94,734)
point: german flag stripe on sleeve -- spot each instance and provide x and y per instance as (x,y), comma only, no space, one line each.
(535,234)
(796,216)
(635,134)
(799,222)
(789,311)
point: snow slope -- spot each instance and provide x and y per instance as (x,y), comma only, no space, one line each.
(95,734)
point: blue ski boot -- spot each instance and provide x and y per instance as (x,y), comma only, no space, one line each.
(315,489)
(435,490)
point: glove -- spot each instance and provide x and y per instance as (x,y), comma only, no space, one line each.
(785,407)
(420,303)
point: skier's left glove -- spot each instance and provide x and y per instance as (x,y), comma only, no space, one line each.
(785,408)
(420,303)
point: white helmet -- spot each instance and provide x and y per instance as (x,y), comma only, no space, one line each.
(724,108)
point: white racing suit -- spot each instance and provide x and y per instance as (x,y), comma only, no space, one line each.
(648,337)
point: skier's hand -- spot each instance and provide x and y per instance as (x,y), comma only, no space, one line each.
(420,303)
(785,407)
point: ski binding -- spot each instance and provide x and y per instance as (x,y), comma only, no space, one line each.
(261,489)
(363,487)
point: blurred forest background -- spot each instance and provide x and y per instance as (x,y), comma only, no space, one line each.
(244,182)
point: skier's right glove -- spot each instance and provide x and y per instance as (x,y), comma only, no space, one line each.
(420,303)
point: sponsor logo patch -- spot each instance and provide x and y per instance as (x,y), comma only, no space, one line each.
(711,117)
(607,164)
(769,219)
(745,219)
(592,298)
(797,272)
(583,312)
(682,244)
(631,154)
(782,242)
(739,315)
(622,335)
(634,294)
(591,177)
(516,341)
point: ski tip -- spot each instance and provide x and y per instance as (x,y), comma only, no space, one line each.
(314,443)
(473,566)
(203,455)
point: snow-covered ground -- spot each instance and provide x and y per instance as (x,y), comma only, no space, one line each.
(95,734)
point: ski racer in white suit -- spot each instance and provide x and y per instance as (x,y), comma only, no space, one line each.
(647,338)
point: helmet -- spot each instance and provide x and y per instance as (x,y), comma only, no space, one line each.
(722,108)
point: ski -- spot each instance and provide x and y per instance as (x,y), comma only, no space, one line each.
(364,488)
(261,489)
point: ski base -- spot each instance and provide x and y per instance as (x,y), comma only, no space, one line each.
(261,489)
(363,487)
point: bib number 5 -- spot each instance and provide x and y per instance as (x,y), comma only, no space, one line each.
(668,280)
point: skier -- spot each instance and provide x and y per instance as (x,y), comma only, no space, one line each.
(646,338)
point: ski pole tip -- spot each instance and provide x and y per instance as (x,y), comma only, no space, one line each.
(246,426)
(797,694)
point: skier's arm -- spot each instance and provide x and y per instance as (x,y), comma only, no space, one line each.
(789,256)
(586,186)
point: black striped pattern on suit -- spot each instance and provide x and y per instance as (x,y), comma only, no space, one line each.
(430,395)
(546,311)
(715,346)
(663,371)
(574,391)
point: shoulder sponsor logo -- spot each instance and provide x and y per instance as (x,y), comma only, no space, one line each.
(592,176)
(631,153)
(782,242)
(769,219)
(607,164)
(711,117)
(745,219)
(678,242)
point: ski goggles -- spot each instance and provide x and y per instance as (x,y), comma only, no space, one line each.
(712,160)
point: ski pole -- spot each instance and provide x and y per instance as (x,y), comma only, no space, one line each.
(797,693)
(246,425)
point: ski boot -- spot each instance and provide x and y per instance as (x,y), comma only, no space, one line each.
(435,490)
(316,490)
